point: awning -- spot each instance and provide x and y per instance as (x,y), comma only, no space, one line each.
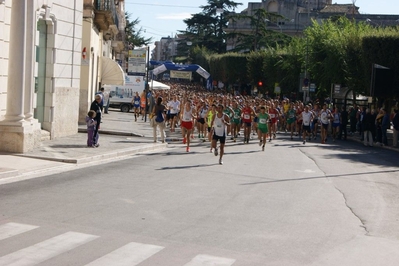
(155,85)
(112,73)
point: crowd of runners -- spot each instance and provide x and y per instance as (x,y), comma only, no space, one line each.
(219,116)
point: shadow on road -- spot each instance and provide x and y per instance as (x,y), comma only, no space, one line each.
(319,177)
(186,166)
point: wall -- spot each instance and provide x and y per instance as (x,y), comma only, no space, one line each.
(91,39)
(63,67)
(5,14)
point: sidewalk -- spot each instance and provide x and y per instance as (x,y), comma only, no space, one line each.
(120,137)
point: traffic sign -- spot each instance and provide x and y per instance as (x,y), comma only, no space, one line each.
(312,87)
(337,88)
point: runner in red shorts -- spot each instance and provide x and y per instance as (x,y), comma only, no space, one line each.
(187,123)
(247,113)
(273,113)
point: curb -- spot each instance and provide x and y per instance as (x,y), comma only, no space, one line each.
(8,172)
(110,156)
(391,148)
(112,132)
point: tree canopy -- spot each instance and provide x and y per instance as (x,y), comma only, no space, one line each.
(134,36)
(334,51)
(206,29)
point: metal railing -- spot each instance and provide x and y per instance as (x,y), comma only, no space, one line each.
(107,5)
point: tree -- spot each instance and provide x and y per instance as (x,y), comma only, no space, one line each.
(206,29)
(260,36)
(134,37)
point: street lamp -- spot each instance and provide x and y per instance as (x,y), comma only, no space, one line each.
(306,80)
(370,21)
(278,25)
(189,51)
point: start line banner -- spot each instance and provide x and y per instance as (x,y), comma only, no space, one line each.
(181,74)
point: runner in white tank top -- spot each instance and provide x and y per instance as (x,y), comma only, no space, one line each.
(219,127)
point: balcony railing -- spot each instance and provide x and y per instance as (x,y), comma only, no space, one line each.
(106,14)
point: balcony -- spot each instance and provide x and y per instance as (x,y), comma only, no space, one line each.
(106,17)
(118,42)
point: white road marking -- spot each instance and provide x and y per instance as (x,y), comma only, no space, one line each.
(12,229)
(47,249)
(130,255)
(206,260)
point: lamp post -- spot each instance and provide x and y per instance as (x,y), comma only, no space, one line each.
(189,51)
(268,21)
(306,80)
(370,21)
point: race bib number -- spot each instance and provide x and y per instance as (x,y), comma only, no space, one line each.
(136,102)
(262,121)
(272,115)
(247,117)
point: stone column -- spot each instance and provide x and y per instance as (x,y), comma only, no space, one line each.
(16,64)
(30,61)
(16,133)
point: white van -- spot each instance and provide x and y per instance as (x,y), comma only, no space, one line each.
(121,96)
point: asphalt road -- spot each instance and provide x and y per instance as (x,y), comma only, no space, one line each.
(293,204)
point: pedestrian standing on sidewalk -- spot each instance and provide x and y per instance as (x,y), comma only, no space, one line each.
(105,101)
(385,125)
(91,123)
(378,123)
(368,126)
(352,119)
(158,114)
(395,122)
(101,93)
(96,107)
(344,124)
(362,113)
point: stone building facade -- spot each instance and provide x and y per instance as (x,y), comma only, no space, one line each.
(54,56)
(40,51)
(298,14)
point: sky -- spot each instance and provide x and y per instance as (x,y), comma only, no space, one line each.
(160,18)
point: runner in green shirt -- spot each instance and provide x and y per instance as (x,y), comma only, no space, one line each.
(262,126)
(236,121)
(291,118)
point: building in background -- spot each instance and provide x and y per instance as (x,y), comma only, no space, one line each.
(165,49)
(297,15)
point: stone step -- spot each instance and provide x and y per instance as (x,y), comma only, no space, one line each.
(45,135)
